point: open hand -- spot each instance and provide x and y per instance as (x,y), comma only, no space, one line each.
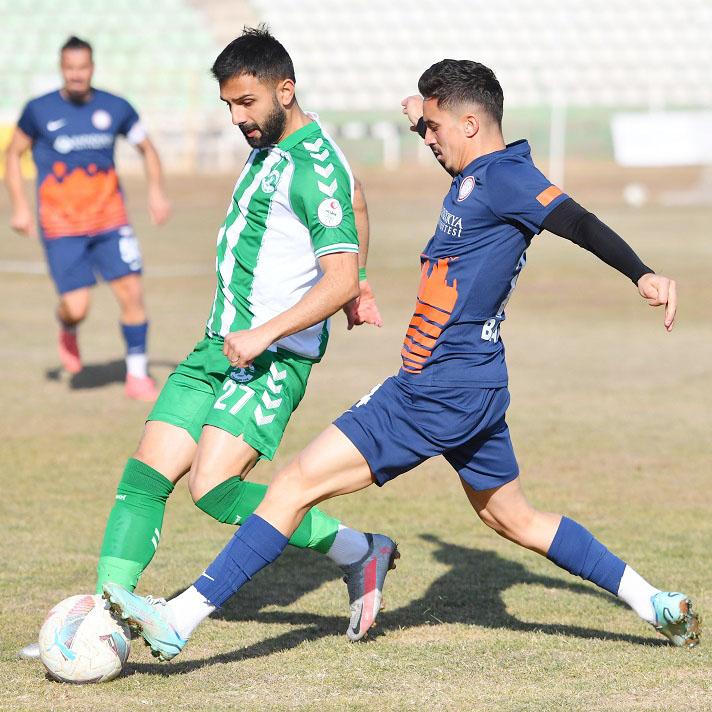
(363,309)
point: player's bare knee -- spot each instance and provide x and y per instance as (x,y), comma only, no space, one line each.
(288,487)
(198,486)
(73,312)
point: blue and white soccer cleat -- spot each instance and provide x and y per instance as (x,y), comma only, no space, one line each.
(364,581)
(675,618)
(148,617)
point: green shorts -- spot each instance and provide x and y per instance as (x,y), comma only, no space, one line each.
(255,402)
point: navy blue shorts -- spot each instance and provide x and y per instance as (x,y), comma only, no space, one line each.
(397,427)
(75,261)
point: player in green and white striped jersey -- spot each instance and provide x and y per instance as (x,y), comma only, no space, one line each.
(288,257)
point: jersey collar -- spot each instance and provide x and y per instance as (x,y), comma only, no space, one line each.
(299,135)
(517,148)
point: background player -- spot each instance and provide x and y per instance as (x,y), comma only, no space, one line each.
(82,217)
(450,396)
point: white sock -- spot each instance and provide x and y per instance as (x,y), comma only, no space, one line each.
(636,592)
(137,365)
(188,610)
(349,546)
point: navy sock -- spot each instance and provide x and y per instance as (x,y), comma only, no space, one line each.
(256,544)
(135,337)
(576,550)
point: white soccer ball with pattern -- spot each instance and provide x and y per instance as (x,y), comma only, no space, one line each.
(81,642)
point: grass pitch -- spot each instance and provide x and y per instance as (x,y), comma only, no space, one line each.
(610,420)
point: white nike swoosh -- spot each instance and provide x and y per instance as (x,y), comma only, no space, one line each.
(54,125)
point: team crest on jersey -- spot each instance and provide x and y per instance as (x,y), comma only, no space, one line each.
(242,375)
(269,182)
(466,188)
(101,119)
(330,213)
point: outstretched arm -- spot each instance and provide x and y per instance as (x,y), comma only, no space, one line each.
(573,222)
(338,285)
(159,206)
(21,220)
(363,309)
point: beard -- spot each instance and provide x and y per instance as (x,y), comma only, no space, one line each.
(271,129)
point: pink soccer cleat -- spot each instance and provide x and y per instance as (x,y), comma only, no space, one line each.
(141,388)
(69,351)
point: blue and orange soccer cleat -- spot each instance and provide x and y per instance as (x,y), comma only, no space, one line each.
(364,581)
(675,618)
(148,617)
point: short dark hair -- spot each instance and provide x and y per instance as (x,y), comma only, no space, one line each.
(257,53)
(75,43)
(459,82)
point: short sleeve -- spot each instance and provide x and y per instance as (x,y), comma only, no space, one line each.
(131,126)
(518,191)
(321,198)
(27,122)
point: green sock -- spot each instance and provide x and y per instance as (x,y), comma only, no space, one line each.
(232,501)
(134,526)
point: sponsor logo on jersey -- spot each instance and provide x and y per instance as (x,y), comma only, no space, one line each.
(330,212)
(269,182)
(101,119)
(449,223)
(82,142)
(465,188)
(56,125)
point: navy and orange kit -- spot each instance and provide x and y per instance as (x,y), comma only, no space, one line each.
(81,210)
(450,395)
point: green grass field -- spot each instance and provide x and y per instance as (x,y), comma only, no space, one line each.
(610,419)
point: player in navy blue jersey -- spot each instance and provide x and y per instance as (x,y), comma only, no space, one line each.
(450,396)
(81,213)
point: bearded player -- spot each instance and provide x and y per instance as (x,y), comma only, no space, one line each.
(288,257)
(450,396)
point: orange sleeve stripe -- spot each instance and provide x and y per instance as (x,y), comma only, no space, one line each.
(431,314)
(546,196)
(412,370)
(432,330)
(415,348)
(419,338)
(412,357)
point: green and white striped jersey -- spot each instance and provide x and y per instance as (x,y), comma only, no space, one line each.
(291,205)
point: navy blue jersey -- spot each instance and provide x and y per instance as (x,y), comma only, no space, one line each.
(73,148)
(470,268)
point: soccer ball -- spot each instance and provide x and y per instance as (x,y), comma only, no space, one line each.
(81,642)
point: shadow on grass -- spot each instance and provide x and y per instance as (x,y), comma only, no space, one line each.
(469,593)
(98,375)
